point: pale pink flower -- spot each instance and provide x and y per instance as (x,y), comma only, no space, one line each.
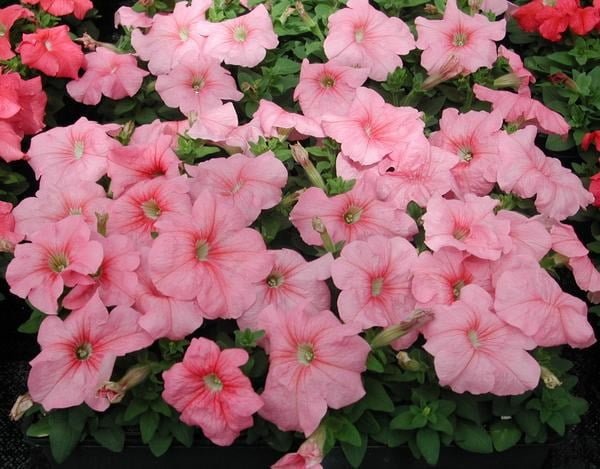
(274,121)
(374,277)
(291,281)
(52,52)
(138,210)
(209,256)
(473,137)
(211,392)
(468,225)
(197,83)
(361,36)
(107,73)
(128,17)
(22,105)
(115,281)
(315,362)
(53,202)
(64,7)
(522,109)
(529,236)
(78,354)
(516,65)
(497,7)
(248,183)
(470,39)
(172,36)
(540,309)
(525,171)
(243,40)
(59,254)
(136,162)
(10,143)
(477,352)
(323,87)
(8,17)
(76,152)
(308,456)
(356,214)
(9,235)
(371,129)
(439,277)
(215,124)
(154,130)
(164,316)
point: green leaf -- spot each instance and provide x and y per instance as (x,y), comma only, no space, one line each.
(148,425)
(557,423)
(373,364)
(443,425)
(66,430)
(135,408)
(428,442)
(348,433)
(505,434)
(377,397)
(161,407)
(355,453)
(32,325)
(182,433)
(557,143)
(529,421)
(285,66)
(472,437)
(112,438)
(159,444)
(408,421)
(40,428)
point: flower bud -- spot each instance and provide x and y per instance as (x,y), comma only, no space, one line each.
(509,80)
(22,405)
(301,157)
(115,392)
(550,380)
(392,333)
(407,363)
(447,71)
(560,77)
(101,221)
(320,228)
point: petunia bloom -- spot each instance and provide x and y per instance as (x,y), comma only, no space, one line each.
(361,36)
(243,40)
(470,39)
(8,17)
(52,52)
(107,73)
(59,254)
(9,235)
(375,279)
(475,351)
(64,7)
(78,354)
(310,356)
(211,392)
(248,183)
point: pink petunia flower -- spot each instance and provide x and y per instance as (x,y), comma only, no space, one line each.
(138,210)
(211,392)
(524,76)
(439,277)
(76,152)
(107,73)
(209,256)
(172,36)
(136,162)
(529,236)
(64,7)
(470,39)
(526,171)
(308,456)
(477,352)
(115,281)
(323,87)
(315,362)
(361,36)
(372,128)
(197,83)
(250,184)
(163,316)
(59,254)
(468,225)
(52,52)
(78,354)
(473,137)
(10,143)
(22,104)
(243,40)
(9,234)
(8,17)
(375,279)
(522,109)
(542,310)
(292,281)
(274,121)
(128,17)
(54,202)
(215,124)
(356,214)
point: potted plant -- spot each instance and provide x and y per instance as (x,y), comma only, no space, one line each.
(294,227)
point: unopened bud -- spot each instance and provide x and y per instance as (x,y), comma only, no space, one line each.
(549,379)
(447,71)
(407,363)
(126,132)
(560,77)
(90,43)
(301,157)
(392,333)
(22,405)
(510,80)
(101,222)
(114,392)
(6,246)
(320,228)
(431,9)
